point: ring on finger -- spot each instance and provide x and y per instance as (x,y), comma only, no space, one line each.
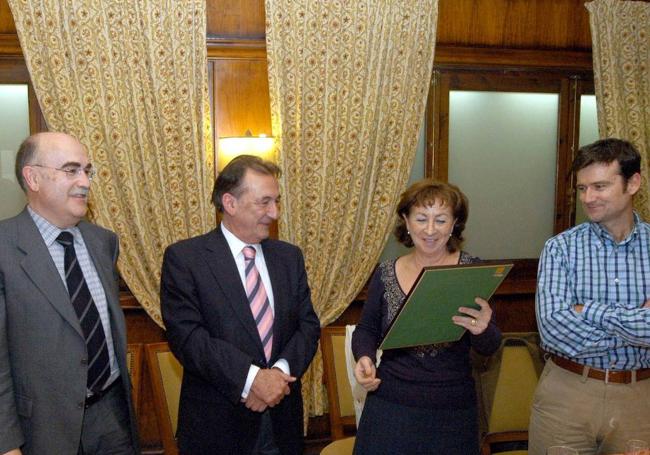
(473,322)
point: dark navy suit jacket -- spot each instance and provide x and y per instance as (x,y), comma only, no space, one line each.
(212,332)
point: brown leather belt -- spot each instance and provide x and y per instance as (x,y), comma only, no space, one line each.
(617,376)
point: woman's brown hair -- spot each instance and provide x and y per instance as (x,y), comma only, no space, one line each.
(425,193)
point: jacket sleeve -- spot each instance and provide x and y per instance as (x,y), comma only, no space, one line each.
(214,359)
(11,436)
(301,346)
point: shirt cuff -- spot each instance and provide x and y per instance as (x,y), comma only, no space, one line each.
(595,313)
(252,372)
(283,365)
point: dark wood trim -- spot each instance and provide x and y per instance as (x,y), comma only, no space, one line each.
(565,138)
(128,302)
(568,85)
(440,155)
(36,118)
(476,57)
(581,87)
(10,45)
(249,49)
(574,146)
(503,81)
(445,55)
(522,279)
(13,70)
(430,125)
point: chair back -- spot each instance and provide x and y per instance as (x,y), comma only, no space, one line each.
(166,377)
(515,371)
(339,392)
(513,396)
(358,392)
(343,446)
(134,366)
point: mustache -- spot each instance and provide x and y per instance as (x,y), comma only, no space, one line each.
(80,192)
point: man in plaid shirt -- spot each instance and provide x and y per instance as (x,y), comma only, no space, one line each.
(593,312)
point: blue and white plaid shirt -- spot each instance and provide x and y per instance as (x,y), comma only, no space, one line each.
(585,265)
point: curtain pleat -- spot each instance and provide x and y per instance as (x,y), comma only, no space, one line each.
(129,80)
(620,33)
(348,84)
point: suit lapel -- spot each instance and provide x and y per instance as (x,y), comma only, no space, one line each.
(40,268)
(278,278)
(223,267)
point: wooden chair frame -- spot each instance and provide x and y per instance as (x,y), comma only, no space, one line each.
(160,401)
(505,436)
(135,350)
(337,422)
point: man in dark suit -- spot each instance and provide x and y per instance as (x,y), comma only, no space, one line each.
(239,318)
(64,385)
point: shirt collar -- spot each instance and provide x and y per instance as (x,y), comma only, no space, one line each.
(48,231)
(235,244)
(603,236)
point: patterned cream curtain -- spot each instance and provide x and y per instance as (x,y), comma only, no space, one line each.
(348,84)
(129,80)
(620,33)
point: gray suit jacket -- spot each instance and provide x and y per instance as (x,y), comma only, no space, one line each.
(42,374)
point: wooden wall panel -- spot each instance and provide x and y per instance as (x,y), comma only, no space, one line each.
(532,24)
(516,24)
(235,18)
(6,19)
(241,97)
(512,24)
(225,18)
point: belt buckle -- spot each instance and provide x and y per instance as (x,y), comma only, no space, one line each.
(91,400)
(95,397)
(607,376)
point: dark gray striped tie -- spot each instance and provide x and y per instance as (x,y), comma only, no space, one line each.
(91,325)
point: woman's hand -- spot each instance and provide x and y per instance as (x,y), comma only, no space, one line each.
(476,321)
(366,374)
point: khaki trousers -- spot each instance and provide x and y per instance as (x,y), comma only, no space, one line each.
(587,414)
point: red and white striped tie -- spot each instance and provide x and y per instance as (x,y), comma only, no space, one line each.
(259,301)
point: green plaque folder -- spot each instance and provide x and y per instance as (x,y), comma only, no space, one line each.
(425,317)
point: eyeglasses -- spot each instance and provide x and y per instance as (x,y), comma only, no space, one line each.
(72,172)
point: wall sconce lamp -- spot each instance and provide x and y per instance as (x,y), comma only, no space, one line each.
(230,147)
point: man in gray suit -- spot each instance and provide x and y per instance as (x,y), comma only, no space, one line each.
(64,385)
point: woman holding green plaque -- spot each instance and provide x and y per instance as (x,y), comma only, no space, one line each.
(421,400)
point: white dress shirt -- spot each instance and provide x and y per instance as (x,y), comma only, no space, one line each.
(236,246)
